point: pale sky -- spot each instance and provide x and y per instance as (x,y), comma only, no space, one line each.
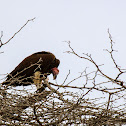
(83,22)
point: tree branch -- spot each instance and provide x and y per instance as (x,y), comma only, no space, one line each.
(1,43)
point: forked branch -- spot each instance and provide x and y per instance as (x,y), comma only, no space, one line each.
(1,43)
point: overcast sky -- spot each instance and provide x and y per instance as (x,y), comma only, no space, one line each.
(83,22)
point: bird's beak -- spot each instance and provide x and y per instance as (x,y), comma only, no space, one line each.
(55,72)
(54,76)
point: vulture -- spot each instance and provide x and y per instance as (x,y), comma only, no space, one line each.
(33,69)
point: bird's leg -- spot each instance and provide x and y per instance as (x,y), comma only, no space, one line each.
(37,79)
(42,85)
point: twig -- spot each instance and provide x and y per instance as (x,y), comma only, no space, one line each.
(109,100)
(111,54)
(66,78)
(34,110)
(1,43)
(89,58)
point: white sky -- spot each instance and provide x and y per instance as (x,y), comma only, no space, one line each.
(83,22)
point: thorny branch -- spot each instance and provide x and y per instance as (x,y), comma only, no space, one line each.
(97,100)
(90,59)
(1,43)
(113,59)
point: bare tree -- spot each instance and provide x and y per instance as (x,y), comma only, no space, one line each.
(67,104)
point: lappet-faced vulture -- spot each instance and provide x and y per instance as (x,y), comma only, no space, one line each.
(32,68)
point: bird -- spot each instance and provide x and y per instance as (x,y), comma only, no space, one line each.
(33,69)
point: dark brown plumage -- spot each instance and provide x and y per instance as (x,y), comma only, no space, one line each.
(44,62)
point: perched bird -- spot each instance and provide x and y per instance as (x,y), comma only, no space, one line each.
(33,68)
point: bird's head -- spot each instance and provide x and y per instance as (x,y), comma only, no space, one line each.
(55,72)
